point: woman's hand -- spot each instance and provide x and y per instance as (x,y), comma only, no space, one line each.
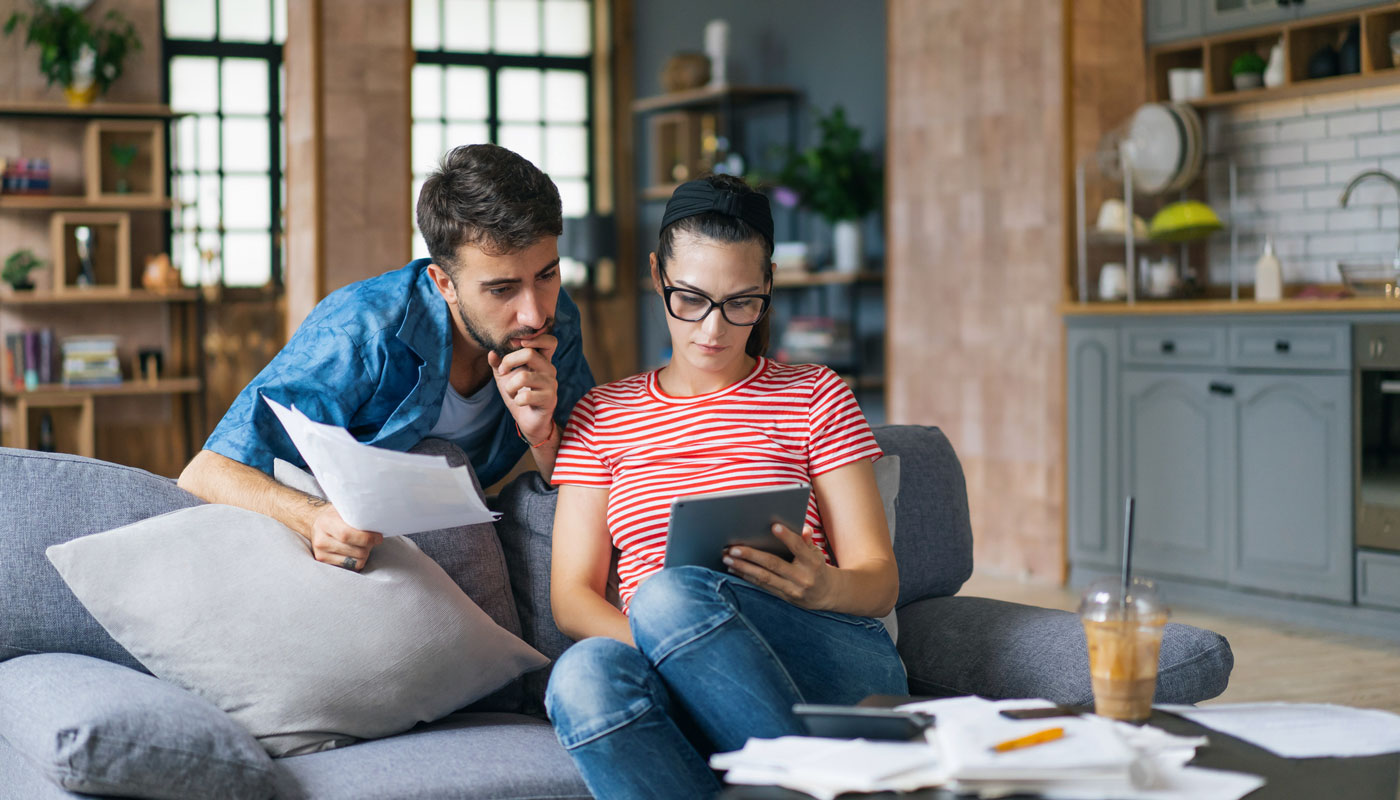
(806,581)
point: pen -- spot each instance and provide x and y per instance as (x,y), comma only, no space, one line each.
(1040,737)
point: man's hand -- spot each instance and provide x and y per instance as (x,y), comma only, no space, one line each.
(806,581)
(333,541)
(527,382)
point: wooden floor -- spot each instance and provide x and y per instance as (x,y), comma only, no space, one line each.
(1272,661)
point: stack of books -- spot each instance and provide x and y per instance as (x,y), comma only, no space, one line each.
(24,175)
(90,361)
(815,340)
(28,359)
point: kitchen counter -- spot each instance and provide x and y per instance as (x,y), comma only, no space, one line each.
(1226,306)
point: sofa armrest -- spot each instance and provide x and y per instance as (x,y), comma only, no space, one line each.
(995,649)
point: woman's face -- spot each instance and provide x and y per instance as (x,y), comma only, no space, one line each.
(719,271)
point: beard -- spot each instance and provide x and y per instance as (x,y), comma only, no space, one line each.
(500,346)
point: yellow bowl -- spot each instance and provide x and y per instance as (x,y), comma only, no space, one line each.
(1184,221)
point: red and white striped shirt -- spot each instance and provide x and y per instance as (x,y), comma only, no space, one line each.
(781,424)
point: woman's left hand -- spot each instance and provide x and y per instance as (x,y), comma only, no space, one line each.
(806,581)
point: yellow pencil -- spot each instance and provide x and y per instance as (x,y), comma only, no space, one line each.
(1031,740)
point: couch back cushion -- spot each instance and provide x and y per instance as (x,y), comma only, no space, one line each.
(933,533)
(51,498)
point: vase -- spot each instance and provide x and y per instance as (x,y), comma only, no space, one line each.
(83,90)
(847,245)
(80,97)
(1273,73)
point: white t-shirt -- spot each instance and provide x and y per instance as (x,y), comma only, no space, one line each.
(469,422)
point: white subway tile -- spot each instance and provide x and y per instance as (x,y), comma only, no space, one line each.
(1254,180)
(1352,124)
(1304,222)
(1332,244)
(1390,220)
(1327,103)
(1294,130)
(1383,145)
(1354,219)
(1328,151)
(1378,243)
(1390,120)
(1278,155)
(1326,198)
(1281,201)
(1381,96)
(1369,193)
(1391,165)
(1257,133)
(1341,174)
(1302,176)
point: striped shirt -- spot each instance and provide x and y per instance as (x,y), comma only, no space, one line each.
(779,425)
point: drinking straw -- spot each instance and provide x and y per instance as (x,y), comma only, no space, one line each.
(1127,547)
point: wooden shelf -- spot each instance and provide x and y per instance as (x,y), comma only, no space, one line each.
(63,202)
(78,297)
(123,389)
(662,192)
(788,280)
(94,111)
(1307,88)
(865,383)
(713,95)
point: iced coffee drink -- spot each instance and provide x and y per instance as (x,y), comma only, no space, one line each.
(1124,635)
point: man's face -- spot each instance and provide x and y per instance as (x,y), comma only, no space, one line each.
(504,299)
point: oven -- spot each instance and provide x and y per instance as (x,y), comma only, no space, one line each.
(1377,360)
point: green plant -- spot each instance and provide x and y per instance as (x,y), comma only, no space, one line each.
(837,179)
(1246,63)
(65,38)
(18,266)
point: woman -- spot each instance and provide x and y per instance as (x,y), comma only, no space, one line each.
(696,661)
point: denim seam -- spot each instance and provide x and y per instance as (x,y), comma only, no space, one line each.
(647,706)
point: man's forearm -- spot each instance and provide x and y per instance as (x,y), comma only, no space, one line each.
(218,479)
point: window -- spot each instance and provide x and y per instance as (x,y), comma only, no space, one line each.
(223,72)
(512,72)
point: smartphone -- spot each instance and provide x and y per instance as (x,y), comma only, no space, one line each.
(860,722)
(1040,713)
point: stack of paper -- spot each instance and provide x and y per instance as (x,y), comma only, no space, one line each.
(1302,730)
(382,490)
(825,768)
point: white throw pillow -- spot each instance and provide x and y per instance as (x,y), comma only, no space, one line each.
(231,605)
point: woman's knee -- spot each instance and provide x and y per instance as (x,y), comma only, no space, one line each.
(596,678)
(676,604)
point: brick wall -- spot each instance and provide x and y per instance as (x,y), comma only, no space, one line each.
(1293,158)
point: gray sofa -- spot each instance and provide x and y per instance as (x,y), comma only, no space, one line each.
(502,747)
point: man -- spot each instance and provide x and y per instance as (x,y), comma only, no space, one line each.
(476,345)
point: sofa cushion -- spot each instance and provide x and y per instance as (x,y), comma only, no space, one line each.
(887,481)
(49,499)
(466,756)
(933,543)
(996,649)
(99,728)
(231,605)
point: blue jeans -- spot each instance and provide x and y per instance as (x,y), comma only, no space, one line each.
(718,660)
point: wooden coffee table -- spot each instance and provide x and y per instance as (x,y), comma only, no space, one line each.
(1365,778)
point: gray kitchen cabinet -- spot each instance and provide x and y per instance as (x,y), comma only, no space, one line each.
(1292,519)
(1312,8)
(1229,15)
(1176,463)
(1172,20)
(1094,535)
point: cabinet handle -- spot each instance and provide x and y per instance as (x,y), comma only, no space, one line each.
(1222,389)
(1282,346)
(1168,346)
(1390,387)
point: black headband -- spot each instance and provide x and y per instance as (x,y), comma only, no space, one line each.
(700,196)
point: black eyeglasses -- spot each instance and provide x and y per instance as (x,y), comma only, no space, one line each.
(687,305)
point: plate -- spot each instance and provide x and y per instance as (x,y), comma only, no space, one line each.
(1158,140)
(1195,146)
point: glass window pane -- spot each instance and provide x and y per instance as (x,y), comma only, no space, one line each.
(467,93)
(246,145)
(245,21)
(185,142)
(466,26)
(245,86)
(208,200)
(189,19)
(574,195)
(525,140)
(246,202)
(426,21)
(565,96)
(187,187)
(427,146)
(186,254)
(460,133)
(208,155)
(247,259)
(566,151)
(194,84)
(567,28)
(427,91)
(279,21)
(210,257)
(518,91)
(517,26)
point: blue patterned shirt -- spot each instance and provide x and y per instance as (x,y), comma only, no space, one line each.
(373,357)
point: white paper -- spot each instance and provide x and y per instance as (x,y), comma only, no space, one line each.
(383,490)
(825,768)
(1301,730)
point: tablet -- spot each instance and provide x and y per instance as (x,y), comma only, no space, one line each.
(703,525)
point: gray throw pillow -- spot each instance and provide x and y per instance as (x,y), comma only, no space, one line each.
(100,728)
(887,480)
(307,656)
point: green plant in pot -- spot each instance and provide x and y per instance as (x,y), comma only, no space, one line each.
(840,181)
(17,268)
(82,57)
(1247,70)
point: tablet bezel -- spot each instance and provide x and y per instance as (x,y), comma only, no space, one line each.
(701,526)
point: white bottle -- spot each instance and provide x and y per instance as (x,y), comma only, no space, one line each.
(1268,275)
(1273,73)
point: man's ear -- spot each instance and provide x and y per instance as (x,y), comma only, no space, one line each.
(655,275)
(444,283)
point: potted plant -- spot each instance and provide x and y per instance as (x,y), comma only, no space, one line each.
(1247,70)
(839,181)
(85,59)
(17,269)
